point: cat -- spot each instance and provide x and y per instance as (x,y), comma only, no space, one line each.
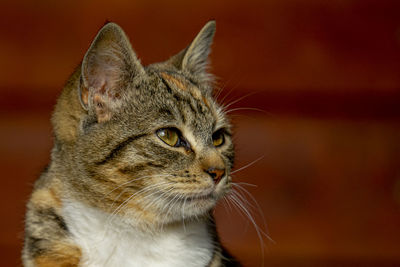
(141,156)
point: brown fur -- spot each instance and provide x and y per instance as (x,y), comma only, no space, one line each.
(106,149)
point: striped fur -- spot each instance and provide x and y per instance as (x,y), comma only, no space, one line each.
(109,166)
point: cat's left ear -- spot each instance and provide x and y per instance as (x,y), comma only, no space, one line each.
(107,66)
(194,58)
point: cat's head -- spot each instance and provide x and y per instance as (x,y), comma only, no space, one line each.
(150,143)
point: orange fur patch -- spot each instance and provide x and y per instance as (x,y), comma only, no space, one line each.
(46,198)
(174,80)
(62,254)
(57,200)
(43,261)
(85,95)
(205,101)
(178,83)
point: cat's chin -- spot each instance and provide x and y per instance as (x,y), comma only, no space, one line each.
(194,212)
(193,208)
(198,205)
(183,206)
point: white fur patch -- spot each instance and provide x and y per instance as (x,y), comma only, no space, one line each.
(121,245)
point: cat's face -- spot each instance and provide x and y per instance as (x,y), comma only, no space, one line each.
(182,155)
(153,144)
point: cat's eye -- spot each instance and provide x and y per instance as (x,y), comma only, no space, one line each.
(170,136)
(218,138)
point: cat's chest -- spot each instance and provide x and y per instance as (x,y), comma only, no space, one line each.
(111,245)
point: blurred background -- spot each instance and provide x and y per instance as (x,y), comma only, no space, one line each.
(315,87)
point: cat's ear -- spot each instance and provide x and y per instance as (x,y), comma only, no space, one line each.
(108,64)
(194,58)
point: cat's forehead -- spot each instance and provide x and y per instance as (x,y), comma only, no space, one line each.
(178,101)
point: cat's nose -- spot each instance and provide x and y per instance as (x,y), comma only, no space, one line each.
(215,173)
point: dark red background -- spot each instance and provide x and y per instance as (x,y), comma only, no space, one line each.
(324,75)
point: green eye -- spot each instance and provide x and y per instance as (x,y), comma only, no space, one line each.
(218,138)
(168,136)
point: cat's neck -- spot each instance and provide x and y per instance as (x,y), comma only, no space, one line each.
(106,242)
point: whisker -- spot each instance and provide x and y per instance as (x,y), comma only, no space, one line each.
(171,203)
(245,108)
(257,206)
(233,87)
(141,191)
(237,100)
(243,199)
(111,217)
(225,96)
(250,216)
(163,194)
(248,165)
(183,214)
(219,90)
(243,183)
(227,202)
(119,195)
(156,201)
(238,204)
(133,180)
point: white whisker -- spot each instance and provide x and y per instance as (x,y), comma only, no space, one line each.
(171,204)
(145,189)
(225,96)
(183,213)
(259,232)
(133,180)
(247,165)
(257,206)
(244,108)
(243,199)
(243,183)
(237,100)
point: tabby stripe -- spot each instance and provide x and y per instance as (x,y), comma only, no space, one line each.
(118,148)
(177,97)
(51,215)
(35,245)
(166,85)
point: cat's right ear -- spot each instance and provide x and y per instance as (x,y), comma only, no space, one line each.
(108,64)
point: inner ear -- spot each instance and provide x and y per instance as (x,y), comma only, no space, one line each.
(108,65)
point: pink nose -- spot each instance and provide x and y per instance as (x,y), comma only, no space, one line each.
(216,174)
